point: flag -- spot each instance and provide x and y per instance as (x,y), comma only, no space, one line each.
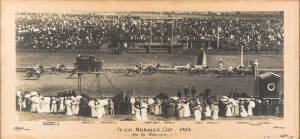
(219,28)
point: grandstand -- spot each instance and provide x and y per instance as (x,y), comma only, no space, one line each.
(151,31)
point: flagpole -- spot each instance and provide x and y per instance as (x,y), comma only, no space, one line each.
(150,43)
(218,41)
(172,36)
(161,23)
(242,56)
(161,36)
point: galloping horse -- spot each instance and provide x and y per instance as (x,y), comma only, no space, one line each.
(132,71)
(152,68)
(35,72)
(135,70)
(183,69)
(199,69)
(58,68)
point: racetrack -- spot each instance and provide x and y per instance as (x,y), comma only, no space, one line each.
(144,85)
(30,59)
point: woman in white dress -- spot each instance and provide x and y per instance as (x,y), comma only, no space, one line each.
(35,106)
(236,108)
(53,105)
(144,107)
(42,104)
(47,101)
(68,107)
(180,109)
(132,101)
(208,111)
(93,108)
(228,110)
(100,109)
(243,112)
(77,102)
(251,105)
(61,108)
(233,103)
(197,111)
(137,107)
(186,108)
(157,107)
(160,107)
(24,103)
(215,109)
(73,104)
(32,108)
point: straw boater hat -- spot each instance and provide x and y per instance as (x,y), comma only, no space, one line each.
(79,96)
(150,101)
(27,96)
(175,98)
(242,102)
(19,93)
(34,93)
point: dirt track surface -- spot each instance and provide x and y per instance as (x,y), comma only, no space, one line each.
(27,59)
(144,85)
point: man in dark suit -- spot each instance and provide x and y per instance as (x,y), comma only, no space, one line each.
(193,91)
(165,108)
(179,93)
(186,91)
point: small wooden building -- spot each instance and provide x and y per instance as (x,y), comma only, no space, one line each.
(267,85)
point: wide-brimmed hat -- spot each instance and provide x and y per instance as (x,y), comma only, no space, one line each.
(34,93)
(27,96)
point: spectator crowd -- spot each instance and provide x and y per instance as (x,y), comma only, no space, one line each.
(73,31)
(186,105)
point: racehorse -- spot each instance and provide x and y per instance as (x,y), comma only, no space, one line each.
(238,70)
(132,71)
(58,68)
(200,69)
(36,71)
(152,68)
(183,69)
(33,73)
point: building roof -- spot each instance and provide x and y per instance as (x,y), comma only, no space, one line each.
(267,75)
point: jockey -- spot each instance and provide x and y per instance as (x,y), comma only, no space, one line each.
(141,64)
(140,67)
(136,68)
(221,63)
(38,71)
(37,67)
(58,66)
(188,65)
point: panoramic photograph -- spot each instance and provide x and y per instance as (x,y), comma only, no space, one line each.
(149,66)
